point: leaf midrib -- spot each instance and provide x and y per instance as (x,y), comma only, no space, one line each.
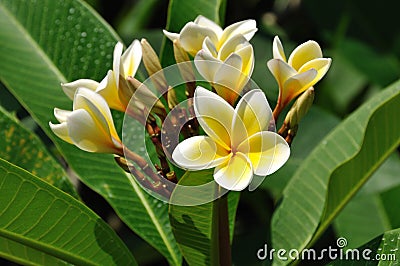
(152,216)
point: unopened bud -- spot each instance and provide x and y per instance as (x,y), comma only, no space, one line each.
(153,66)
(300,108)
(185,68)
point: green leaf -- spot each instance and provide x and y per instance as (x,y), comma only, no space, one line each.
(196,227)
(376,197)
(23,148)
(347,157)
(40,224)
(45,42)
(382,250)
(182,11)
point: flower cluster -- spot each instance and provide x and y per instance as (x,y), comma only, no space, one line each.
(238,142)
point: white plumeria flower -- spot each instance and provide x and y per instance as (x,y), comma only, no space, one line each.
(228,69)
(192,35)
(304,68)
(89,126)
(238,144)
(111,87)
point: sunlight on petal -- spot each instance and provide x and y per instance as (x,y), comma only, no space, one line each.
(277,49)
(247,28)
(236,174)
(131,58)
(205,22)
(71,87)
(193,35)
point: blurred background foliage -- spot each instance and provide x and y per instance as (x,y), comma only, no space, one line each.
(362,37)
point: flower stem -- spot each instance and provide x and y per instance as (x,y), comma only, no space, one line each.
(225,257)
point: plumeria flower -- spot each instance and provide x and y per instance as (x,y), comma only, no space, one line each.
(304,68)
(237,144)
(89,126)
(192,35)
(116,88)
(228,69)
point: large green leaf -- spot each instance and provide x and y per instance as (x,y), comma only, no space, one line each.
(45,42)
(182,11)
(372,212)
(196,227)
(40,224)
(351,153)
(23,148)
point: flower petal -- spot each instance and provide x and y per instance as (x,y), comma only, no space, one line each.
(71,87)
(199,152)
(277,49)
(281,71)
(297,84)
(170,35)
(303,53)
(236,174)
(214,115)
(206,64)
(247,28)
(108,89)
(320,64)
(247,55)
(61,115)
(98,109)
(61,131)
(252,115)
(85,133)
(117,66)
(267,152)
(131,58)
(231,46)
(192,36)
(205,22)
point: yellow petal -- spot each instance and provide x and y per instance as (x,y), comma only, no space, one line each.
(108,89)
(236,174)
(71,87)
(277,49)
(214,115)
(131,59)
(61,131)
(199,152)
(267,152)
(192,36)
(252,115)
(98,109)
(247,55)
(281,71)
(320,64)
(297,84)
(231,46)
(205,22)
(85,133)
(303,53)
(246,28)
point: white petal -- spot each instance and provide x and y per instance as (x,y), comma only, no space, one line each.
(247,28)
(61,131)
(71,87)
(252,113)
(214,115)
(86,134)
(207,65)
(97,107)
(193,35)
(170,35)
(297,84)
(117,66)
(277,49)
(131,58)
(267,152)
(247,55)
(61,115)
(231,46)
(209,47)
(199,152)
(303,53)
(205,22)
(236,174)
